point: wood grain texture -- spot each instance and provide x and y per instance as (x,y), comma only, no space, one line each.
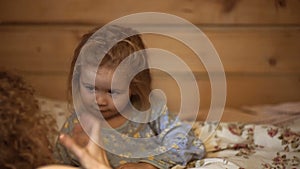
(241,50)
(242,90)
(258,42)
(196,11)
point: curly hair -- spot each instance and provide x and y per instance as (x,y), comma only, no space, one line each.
(25,132)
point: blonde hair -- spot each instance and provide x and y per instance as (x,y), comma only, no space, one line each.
(140,86)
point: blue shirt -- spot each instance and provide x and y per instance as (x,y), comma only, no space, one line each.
(168,142)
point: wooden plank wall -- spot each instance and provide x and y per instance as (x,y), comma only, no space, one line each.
(258,42)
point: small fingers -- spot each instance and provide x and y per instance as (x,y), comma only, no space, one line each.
(94,144)
(70,144)
(86,159)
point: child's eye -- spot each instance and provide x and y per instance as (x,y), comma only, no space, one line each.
(113,92)
(90,88)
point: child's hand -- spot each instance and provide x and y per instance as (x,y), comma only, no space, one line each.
(136,165)
(91,156)
(80,136)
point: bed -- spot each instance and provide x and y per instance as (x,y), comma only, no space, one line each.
(267,136)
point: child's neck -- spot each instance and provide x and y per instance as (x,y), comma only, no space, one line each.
(117,121)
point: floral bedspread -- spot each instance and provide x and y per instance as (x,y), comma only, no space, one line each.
(237,145)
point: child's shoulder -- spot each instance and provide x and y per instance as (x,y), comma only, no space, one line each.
(162,113)
(70,122)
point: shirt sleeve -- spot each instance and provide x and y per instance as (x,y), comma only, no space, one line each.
(180,142)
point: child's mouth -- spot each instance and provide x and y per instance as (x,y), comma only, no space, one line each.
(104,111)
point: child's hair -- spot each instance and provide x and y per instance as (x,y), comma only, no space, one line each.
(140,84)
(25,130)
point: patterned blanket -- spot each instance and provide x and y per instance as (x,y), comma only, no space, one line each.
(238,145)
(271,143)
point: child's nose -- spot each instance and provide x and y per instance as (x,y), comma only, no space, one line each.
(101,99)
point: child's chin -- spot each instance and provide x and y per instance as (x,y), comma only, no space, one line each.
(109,116)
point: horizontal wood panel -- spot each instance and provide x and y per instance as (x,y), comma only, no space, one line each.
(58,91)
(253,90)
(196,11)
(52,86)
(240,49)
(246,50)
(38,49)
(241,90)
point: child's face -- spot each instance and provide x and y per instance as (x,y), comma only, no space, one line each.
(102,94)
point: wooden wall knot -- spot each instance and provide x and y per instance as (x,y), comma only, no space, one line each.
(272,61)
(229,5)
(280,3)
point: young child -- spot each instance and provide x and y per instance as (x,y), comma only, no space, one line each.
(109,89)
(26,131)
